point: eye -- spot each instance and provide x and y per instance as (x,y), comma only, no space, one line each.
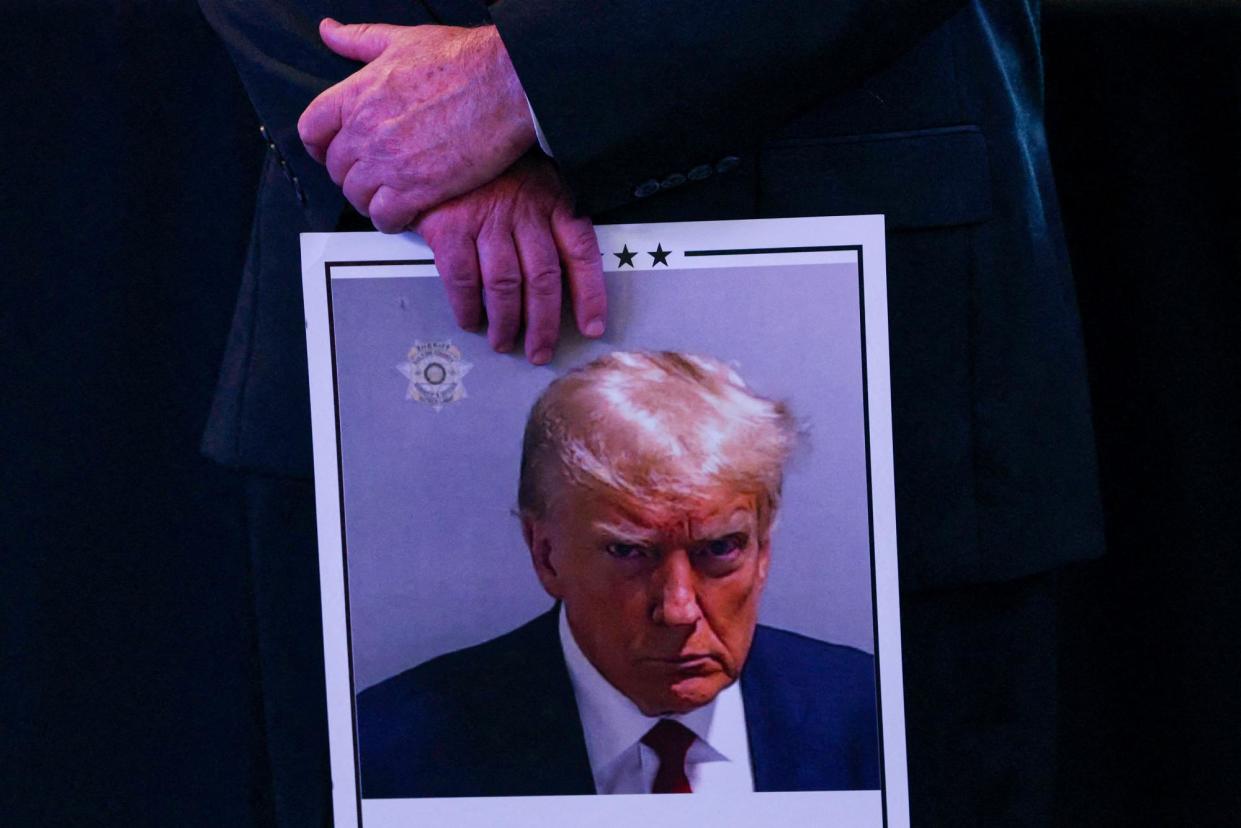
(724,547)
(626,551)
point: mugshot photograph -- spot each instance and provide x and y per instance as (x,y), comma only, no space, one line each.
(649,485)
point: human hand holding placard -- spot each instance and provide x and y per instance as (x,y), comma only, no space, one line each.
(501,248)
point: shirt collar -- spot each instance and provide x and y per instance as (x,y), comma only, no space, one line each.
(612,723)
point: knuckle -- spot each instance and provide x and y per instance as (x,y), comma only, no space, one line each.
(391,204)
(503,284)
(387,139)
(337,158)
(458,278)
(544,283)
(385,219)
(408,202)
(581,245)
(364,120)
(382,200)
(387,144)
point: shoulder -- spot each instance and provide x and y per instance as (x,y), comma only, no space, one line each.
(812,712)
(459,674)
(431,729)
(792,669)
(802,659)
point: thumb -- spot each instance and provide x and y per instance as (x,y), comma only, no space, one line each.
(357,41)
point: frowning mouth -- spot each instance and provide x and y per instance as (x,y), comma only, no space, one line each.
(691,663)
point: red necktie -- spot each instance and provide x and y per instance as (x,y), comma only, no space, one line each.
(670,740)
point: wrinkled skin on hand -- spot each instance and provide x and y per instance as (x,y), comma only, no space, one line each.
(437,111)
(501,251)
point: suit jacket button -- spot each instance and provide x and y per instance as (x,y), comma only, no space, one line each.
(700,172)
(727,164)
(674,180)
(646,188)
(297,190)
(271,145)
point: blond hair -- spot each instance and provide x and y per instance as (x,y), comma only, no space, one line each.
(662,429)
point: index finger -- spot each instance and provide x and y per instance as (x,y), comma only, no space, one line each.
(579,251)
(320,122)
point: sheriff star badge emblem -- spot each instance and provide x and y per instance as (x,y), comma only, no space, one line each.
(434,371)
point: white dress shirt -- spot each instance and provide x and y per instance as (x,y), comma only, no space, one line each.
(538,131)
(718,760)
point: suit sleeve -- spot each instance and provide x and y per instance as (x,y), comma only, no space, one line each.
(283,65)
(632,93)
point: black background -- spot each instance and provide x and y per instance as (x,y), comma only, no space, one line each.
(128,689)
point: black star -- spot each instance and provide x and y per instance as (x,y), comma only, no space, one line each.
(659,256)
(624,257)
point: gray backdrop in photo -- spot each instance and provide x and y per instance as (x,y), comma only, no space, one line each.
(435,555)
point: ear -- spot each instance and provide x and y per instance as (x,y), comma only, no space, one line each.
(764,558)
(540,545)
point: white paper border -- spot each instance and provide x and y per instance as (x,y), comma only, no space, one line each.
(836,808)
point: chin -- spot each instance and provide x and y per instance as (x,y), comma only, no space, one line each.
(686,695)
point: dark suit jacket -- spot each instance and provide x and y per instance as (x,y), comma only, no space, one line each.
(499,719)
(928,111)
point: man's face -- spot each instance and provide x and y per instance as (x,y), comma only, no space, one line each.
(663,601)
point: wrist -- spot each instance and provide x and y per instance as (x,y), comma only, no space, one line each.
(516,120)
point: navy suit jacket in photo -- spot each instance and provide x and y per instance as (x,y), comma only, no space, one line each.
(500,719)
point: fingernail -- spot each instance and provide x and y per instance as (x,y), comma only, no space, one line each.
(541,356)
(503,347)
(594,328)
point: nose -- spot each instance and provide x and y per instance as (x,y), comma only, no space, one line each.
(675,592)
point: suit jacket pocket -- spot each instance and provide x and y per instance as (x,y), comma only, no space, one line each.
(928,178)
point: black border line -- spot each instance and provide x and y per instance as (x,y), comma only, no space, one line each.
(330,265)
(870,504)
(767,251)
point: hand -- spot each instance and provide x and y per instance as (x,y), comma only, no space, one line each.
(436,112)
(502,247)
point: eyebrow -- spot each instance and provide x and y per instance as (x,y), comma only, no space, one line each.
(739,521)
(727,525)
(626,532)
